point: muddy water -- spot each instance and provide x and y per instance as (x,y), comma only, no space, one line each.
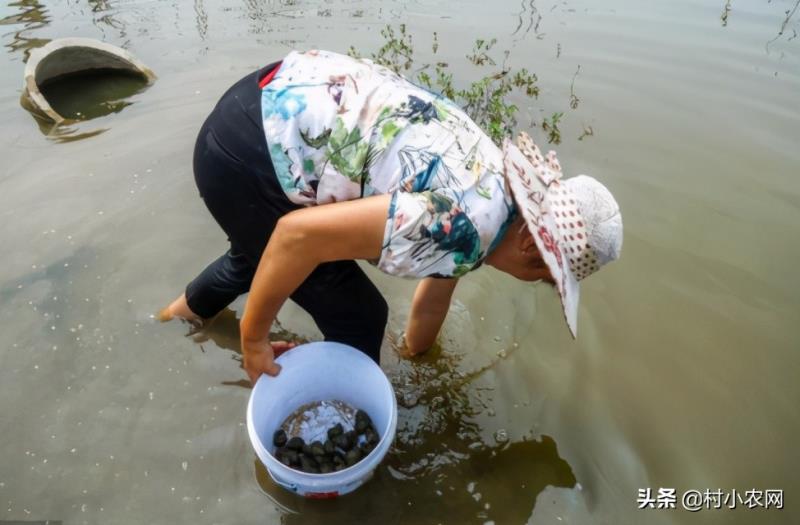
(685,373)
(88,95)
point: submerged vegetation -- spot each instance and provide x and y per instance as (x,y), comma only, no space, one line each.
(486,100)
(726,11)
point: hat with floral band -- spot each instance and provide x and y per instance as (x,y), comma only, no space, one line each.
(575,222)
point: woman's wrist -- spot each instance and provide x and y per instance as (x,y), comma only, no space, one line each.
(252,337)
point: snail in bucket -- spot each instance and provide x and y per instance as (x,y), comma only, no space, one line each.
(342,449)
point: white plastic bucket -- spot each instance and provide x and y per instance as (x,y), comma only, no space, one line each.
(320,372)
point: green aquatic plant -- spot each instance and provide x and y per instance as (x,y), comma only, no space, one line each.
(726,10)
(550,126)
(486,100)
(397,51)
(573,98)
(789,14)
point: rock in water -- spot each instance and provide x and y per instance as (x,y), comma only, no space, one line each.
(279,438)
(296,443)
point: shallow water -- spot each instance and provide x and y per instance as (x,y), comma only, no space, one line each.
(685,372)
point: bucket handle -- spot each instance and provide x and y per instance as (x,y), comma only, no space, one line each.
(288,486)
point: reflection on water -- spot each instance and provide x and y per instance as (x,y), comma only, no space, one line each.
(99,5)
(59,133)
(685,372)
(223,331)
(83,96)
(785,25)
(726,11)
(62,134)
(32,15)
(105,17)
(497,483)
(529,17)
(201,19)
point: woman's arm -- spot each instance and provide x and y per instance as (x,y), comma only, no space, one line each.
(428,311)
(302,240)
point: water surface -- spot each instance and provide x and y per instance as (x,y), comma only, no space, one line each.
(685,371)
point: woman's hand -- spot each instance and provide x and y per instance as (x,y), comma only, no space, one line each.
(259,357)
(404,351)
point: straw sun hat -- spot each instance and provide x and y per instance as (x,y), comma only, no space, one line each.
(575,222)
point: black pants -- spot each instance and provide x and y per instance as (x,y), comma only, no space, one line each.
(237,181)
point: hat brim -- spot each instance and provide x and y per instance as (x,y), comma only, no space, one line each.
(530,193)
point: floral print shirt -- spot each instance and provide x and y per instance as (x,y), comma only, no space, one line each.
(340,128)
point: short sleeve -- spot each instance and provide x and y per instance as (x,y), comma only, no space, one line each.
(429,235)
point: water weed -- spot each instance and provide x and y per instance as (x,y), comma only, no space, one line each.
(486,100)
